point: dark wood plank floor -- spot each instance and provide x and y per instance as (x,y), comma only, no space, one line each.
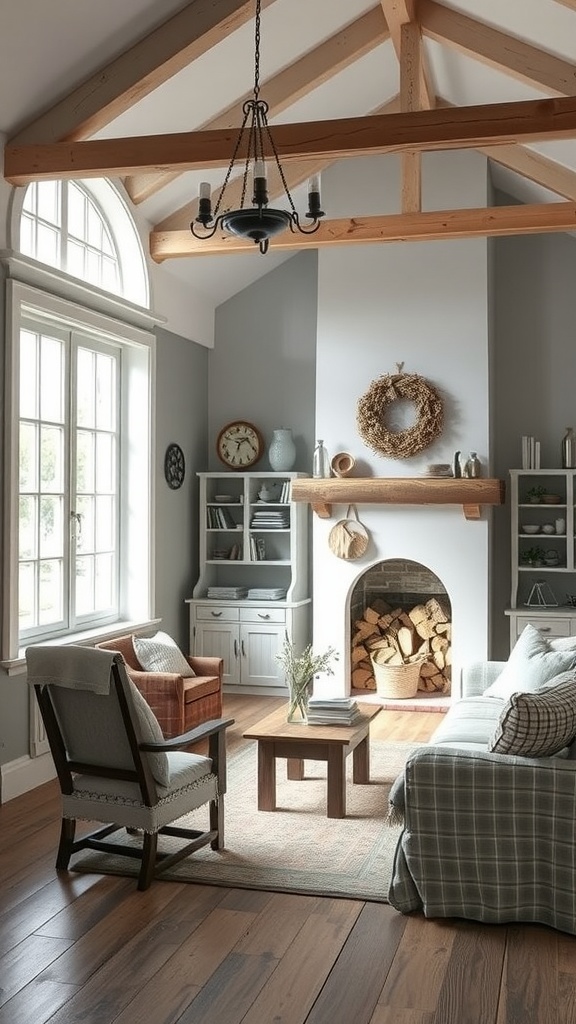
(91,949)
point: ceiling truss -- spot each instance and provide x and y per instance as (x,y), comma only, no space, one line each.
(58,144)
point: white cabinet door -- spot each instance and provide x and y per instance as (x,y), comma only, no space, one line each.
(259,645)
(220,640)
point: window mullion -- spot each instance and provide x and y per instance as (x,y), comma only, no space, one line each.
(71,458)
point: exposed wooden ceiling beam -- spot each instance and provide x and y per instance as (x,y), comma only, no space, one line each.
(288,86)
(295,172)
(139,70)
(405,227)
(568,3)
(426,130)
(415,92)
(411,95)
(497,49)
(537,168)
(399,13)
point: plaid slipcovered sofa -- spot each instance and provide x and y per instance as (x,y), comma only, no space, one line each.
(486,836)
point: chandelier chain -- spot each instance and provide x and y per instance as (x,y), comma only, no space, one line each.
(232,162)
(260,222)
(257,51)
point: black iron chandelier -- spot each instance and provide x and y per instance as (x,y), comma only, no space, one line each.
(258,222)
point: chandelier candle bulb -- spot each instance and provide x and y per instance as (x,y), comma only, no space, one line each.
(204,190)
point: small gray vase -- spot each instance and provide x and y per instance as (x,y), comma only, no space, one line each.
(282,450)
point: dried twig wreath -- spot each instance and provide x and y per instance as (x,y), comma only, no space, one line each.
(372,407)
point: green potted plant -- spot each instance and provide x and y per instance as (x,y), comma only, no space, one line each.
(534,495)
(299,670)
(533,556)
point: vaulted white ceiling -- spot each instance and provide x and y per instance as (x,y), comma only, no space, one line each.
(148,75)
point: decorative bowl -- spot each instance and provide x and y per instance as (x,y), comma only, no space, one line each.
(223,498)
(551,499)
(531,528)
(548,528)
(342,464)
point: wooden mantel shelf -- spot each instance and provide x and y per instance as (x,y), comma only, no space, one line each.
(471,494)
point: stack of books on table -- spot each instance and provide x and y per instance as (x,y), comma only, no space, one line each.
(333,711)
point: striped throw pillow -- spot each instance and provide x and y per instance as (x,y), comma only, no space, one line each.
(537,724)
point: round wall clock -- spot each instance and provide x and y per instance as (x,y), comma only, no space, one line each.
(174,466)
(239,444)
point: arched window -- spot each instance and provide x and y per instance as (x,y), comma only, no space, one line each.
(79,445)
(84,229)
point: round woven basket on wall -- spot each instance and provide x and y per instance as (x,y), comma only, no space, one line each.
(397,681)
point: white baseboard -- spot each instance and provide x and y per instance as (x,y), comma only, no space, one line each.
(23,774)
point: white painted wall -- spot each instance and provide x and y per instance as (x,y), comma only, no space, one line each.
(424,304)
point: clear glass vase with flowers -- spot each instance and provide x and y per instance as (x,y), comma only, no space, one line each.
(299,670)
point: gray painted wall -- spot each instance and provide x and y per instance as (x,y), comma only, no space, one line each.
(263,365)
(181,417)
(534,372)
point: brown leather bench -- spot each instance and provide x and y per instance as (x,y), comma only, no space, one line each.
(179,702)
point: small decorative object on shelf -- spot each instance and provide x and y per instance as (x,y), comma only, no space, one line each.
(569,449)
(300,670)
(534,495)
(541,596)
(321,462)
(282,450)
(472,466)
(533,556)
(342,464)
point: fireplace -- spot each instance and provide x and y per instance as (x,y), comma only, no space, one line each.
(451,553)
(401,614)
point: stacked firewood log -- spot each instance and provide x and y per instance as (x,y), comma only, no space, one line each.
(402,636)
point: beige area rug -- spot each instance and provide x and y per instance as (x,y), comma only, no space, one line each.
(295,848)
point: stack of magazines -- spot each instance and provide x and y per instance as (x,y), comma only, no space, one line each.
(333,711)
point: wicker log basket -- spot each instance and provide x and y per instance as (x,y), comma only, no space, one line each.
(396,681)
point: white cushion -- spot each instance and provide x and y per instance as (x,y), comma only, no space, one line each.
(532,663)
(160,653)
(150,732)
(537,724)
(563,643)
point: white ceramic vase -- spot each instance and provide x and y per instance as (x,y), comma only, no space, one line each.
(282,450)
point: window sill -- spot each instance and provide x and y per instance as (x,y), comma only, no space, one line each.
(87,638)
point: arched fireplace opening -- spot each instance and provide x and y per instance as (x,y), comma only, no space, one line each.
(402,609)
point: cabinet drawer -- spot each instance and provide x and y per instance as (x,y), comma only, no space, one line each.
(217,612)
(548,626)
(263,614)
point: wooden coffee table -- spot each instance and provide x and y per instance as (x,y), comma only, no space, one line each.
(330,743)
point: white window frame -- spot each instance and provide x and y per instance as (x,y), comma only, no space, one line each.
(113,208)
(136,598)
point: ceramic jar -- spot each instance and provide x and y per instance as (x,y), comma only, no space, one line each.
(282,450)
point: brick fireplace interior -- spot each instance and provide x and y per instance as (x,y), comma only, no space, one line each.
(401,610)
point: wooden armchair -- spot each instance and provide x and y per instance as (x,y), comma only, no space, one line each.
(115,767)
(180,703)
